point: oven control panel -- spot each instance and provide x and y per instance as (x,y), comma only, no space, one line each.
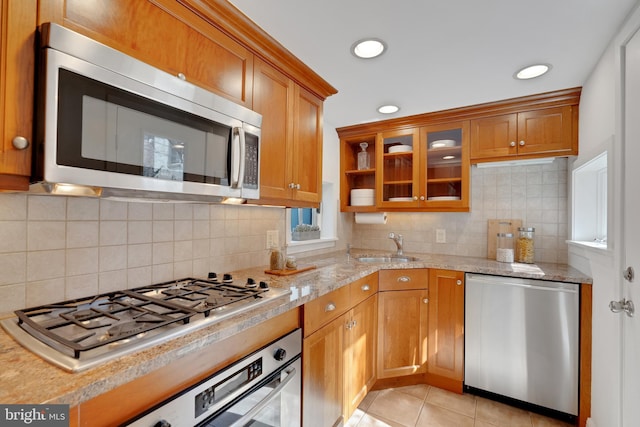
(226,386)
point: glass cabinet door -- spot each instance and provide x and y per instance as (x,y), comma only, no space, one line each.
(398,168)
(444,174)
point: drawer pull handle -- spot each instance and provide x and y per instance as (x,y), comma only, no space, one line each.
(425,300)
(365,288)
(404,279)
(459,282)
(330,307)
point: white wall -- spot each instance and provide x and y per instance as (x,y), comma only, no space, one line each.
(600,122)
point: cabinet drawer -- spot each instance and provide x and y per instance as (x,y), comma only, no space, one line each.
(403,279)
(363,288)
(324,309)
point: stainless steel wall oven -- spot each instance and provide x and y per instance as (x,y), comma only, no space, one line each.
(262,390)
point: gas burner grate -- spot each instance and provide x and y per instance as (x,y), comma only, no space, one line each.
(85,324)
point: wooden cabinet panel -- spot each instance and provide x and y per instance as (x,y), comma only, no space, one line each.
(323,385)
(325,308)
(273,95)
(307,147)
(546,131)
(360,354)
(446,329)
(402,333)
(164,34)
(527,134)
(17,61)
(403,279)
(291,153)
(363,288)
(492,136)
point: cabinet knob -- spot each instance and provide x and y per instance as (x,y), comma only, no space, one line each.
(181,76)
(422,198)
(365,288)
(521,143)
(294,186)
(404,279)
(425,300)
(330,307)
(415,197)
(297,186)
(459,282)
(512,143)
(20,142)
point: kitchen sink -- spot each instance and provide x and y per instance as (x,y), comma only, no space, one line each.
(390,258)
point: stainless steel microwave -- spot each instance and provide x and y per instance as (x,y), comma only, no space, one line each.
(110,125)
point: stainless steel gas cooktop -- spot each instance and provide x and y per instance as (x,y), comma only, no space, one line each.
(82,333)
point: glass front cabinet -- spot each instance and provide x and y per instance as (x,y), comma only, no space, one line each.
(424,168)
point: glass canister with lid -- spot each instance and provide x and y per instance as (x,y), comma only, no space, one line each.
(504,247)
(524,245)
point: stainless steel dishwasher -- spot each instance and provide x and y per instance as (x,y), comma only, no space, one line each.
(522,340)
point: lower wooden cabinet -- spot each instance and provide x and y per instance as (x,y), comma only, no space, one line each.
(339,357)
(322,367)
(403,304)
(445,367)
(359,357)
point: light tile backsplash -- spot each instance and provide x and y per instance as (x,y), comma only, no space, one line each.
(536,194)
(56,248)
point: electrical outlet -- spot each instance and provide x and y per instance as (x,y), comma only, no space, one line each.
(273,240)
(441,235)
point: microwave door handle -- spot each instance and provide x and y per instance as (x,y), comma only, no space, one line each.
(237,158)
(242,421)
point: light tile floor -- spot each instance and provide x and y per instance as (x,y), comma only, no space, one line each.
(426,406)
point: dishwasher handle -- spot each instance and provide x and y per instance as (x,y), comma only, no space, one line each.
(526,283)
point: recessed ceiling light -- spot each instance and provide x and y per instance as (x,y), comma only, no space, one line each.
(368,48)
(532,71)
(388,109)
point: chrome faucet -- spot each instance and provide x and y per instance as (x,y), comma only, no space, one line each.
(397,239)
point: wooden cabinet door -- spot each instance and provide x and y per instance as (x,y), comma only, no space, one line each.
(322,358)
(547,131)
(273,95)
(494,136)
(402,333)
(307,147)
(17,61)
(165,34)
(446,329)
(360,354)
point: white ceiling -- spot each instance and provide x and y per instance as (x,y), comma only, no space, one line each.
(441,53)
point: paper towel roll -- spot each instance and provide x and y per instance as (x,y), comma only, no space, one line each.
(371,218)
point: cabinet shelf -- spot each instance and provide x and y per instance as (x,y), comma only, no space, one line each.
(443,180)
(360,172)
(402,182)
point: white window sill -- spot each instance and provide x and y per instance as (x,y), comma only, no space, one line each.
(299,246)
(600,248)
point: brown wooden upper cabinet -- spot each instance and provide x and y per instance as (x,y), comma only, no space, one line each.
(166,35)
(291,145)
(422,162)
(528,134)
(17,37)
(425,168)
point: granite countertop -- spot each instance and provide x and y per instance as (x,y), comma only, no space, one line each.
(27,379)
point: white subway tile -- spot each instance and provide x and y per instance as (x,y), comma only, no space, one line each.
(46,208)
(83,234)
(82,261)
(13,236)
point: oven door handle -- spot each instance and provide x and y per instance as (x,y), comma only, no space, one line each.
(241,422)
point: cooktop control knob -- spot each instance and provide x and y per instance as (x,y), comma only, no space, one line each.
(264,285)
(162,423)
(251,283)
(226,278)
(212,276)
(280,354)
